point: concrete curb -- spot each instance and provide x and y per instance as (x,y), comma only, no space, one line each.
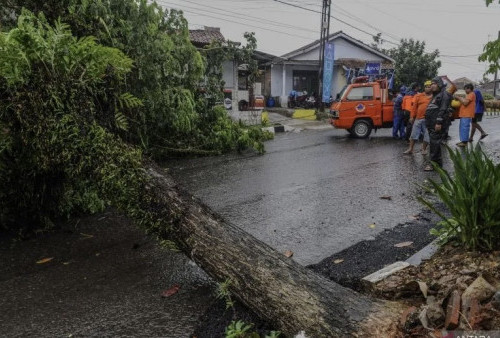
(278,129)
(385,272)
(416,259)
(424,254)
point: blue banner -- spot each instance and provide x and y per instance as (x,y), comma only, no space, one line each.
(373,68)
(391,80)
(328,71)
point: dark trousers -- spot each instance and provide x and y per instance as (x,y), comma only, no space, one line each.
(398,126)
(409,128)
(436,137)
(407,124)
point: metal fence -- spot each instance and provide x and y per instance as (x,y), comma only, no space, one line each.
(492,112)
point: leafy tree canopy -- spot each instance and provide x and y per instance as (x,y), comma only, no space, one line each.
(83,85)
(413,63)
(491,52)
(178,86)
(58,155)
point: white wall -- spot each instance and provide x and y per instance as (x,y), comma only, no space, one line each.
(338,80)
(343,49)
(228,74)
(276,80)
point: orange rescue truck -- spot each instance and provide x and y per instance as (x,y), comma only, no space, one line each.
(362,106)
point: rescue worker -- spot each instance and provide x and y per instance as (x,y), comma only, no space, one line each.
(446,127)
(437,116)
(478,116)
(398,128)
(417,118)
(466,113)
(407,106)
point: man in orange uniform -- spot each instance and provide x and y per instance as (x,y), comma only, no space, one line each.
(407,106)
(417,118)
(466,113)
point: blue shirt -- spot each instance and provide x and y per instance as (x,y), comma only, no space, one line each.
(479,102)
(398,103)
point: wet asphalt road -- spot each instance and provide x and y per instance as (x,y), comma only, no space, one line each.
(105,279)
(316,192)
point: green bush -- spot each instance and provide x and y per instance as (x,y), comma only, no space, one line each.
(487,96)
(177,84)
(60,104)
(472,196)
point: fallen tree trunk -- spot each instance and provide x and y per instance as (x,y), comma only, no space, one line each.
(272,285)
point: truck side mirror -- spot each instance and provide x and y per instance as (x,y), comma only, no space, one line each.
(337,98)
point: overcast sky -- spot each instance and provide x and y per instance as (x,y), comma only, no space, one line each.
(458,28)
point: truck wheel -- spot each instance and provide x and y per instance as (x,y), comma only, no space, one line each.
(362,129)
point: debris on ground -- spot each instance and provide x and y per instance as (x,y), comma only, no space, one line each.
(454,290)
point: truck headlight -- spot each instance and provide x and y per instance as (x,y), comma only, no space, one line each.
(334,113)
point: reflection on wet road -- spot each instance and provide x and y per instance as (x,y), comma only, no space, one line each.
(315,192)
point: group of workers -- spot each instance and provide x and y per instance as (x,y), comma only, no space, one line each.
(428,115)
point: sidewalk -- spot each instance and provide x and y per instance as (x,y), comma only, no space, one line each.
(296,124)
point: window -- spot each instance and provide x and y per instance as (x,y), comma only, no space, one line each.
(360,93)
(305,80)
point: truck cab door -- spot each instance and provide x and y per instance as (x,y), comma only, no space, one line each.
(360,101)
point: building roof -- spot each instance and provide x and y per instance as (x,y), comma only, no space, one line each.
(358,63)
(348,62)
(464,80)
(203,37)
(331,37)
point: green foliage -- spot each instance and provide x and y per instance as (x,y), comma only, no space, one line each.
(491,52)
(239,329)
(68,103)
(471,196)
(224,293)
(57,154)
(488,2)
(487,96)
(491,55)
(178,87)
(413,63)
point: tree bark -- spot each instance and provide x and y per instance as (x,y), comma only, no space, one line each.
(275,287)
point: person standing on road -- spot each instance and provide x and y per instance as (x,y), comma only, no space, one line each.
(417,118)
(466,113)
(478,116)
(408,102)
(398,128)
(446,127)
(436,115)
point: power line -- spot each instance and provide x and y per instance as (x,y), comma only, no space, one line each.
(236,22)
(333,17)
(245,16)
(460,56)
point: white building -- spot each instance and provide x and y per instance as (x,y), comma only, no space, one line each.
(299,69)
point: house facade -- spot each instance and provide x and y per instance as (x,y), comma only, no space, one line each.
(299,69)
(489,88)
(235,76)
(461,82)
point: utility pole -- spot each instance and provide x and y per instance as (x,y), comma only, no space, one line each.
(495,85)
(325,31)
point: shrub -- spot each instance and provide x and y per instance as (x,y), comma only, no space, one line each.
(487,96)
(472,196)
(59,106)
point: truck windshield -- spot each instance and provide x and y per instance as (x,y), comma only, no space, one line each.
(341,93)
